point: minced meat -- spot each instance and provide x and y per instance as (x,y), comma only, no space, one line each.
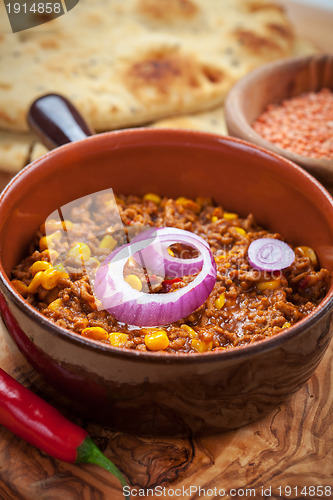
(245,306)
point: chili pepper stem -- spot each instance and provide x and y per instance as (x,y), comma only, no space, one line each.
(88,452)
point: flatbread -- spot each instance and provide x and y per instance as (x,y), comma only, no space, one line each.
(207,121)
(129,62)
(15,150)
(37,150)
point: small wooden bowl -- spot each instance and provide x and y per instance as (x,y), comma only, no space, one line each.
(270,84)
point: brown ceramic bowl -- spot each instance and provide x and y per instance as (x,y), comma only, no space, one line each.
(271,84)
(147,392)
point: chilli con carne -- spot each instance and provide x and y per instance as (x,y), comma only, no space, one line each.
(245,305)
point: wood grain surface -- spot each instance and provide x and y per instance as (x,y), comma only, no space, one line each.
(286,455)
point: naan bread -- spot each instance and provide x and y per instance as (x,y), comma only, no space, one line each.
(207,121)
(37,150)
(129,62)
(15,149)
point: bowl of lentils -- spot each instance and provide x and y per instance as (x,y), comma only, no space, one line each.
(287,107)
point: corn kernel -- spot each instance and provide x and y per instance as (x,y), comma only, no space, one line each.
(55,305)
(190,204)
(268,285)
(134,281)
(214,218)
(201,346)
(170,252)
(35,282)
(220,301)
(108,242)
(152,197)
(310,253)
(118,339)
(192,333)
(56,225)
(49,241)
(61,269)
(182,200)
(230,215)
(157,340)
(39,265)
(20,287)
(43,243)
(286,325)
(240,230)
(50,278)
(95,333)
(218,258)
(79,251)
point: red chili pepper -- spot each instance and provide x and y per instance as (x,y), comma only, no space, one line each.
(167,284)
(38,423)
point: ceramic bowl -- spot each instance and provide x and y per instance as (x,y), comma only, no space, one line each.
(147,392)
(270,84)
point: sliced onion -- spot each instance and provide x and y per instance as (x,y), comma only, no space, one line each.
(269,254)
(156,258)
(152,309)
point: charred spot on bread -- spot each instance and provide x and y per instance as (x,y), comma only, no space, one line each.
(167,10)
(158,73)
(256,43)
(281,30)
(256,6)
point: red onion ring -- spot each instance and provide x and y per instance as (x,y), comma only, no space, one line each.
(270,254)
(157,259)
(152,309)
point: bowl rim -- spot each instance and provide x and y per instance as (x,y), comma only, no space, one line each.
(239,352)
(234,112)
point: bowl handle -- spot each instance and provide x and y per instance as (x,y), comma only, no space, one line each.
(55,121)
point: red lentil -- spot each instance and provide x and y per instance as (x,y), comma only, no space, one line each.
(301,124)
